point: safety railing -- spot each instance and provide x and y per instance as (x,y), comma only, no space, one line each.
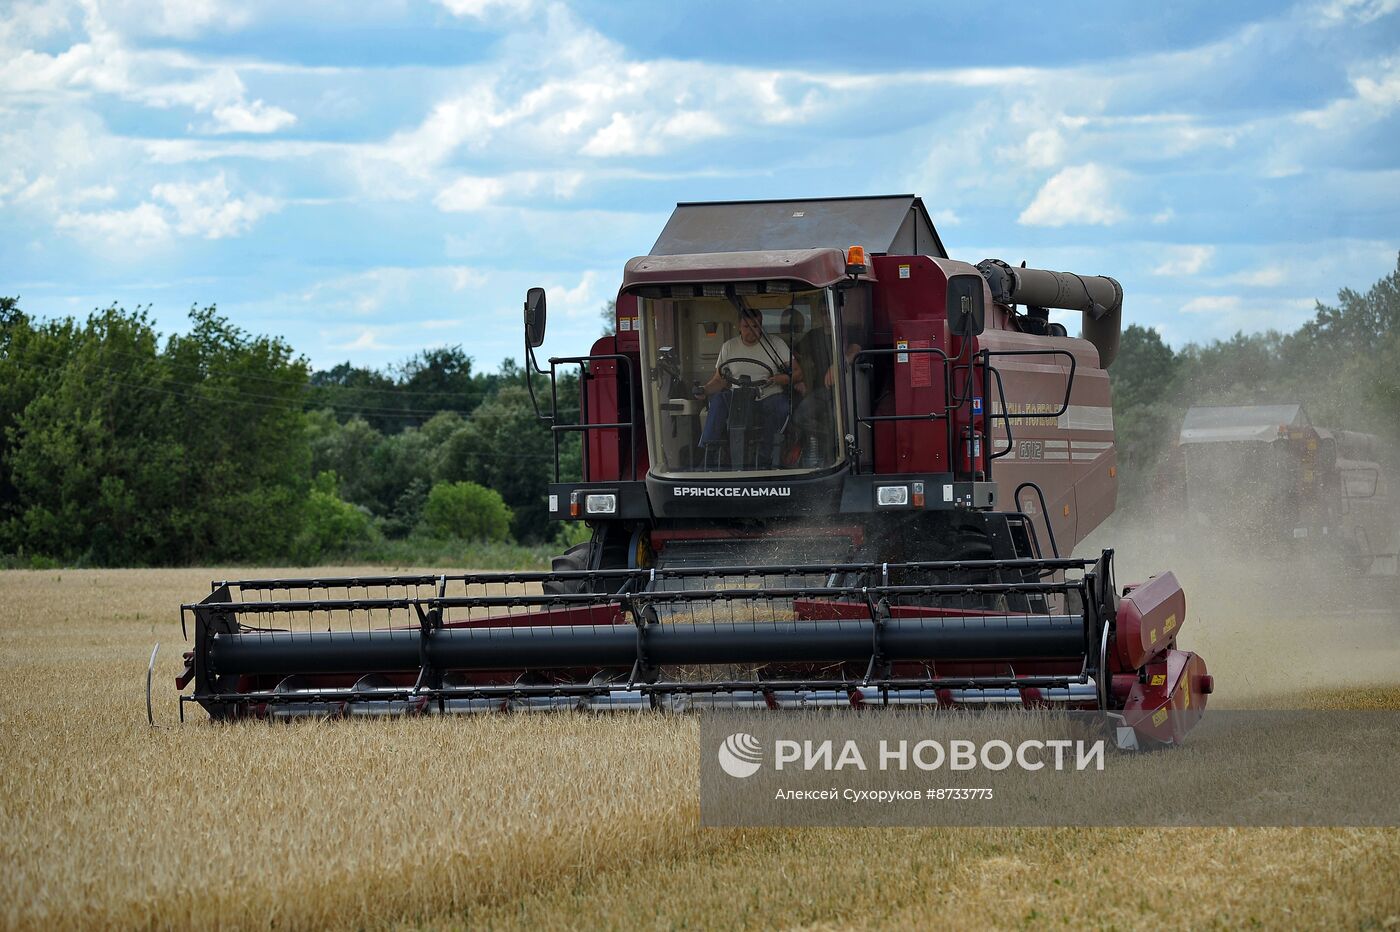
(869,421)
(626,383)
(1005,415)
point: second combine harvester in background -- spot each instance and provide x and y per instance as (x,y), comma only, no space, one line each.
(823,464)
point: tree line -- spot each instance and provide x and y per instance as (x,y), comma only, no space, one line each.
(120,447)
(220,446)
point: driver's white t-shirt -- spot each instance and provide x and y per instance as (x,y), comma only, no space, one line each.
(771,351)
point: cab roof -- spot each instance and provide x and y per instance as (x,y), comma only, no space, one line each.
(895,224)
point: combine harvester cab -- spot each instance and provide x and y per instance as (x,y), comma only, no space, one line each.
(824,465)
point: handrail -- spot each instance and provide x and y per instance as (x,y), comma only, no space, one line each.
(1069,382)
(1044,514)
(1346,486)
(871,420)
(585,426)
(1005,416)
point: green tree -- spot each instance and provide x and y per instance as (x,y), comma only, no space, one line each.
(91,452)
(356,453)
(465,509)
(1143,416)
(32,356)
(355,391)
(440,379)
(116,452)
(330,526)
(412,392)
(1351,353)
(236,415)
(504,447)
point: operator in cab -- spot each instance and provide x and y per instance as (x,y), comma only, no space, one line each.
(748,395)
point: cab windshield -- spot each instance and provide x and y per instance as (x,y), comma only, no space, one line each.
(740,379)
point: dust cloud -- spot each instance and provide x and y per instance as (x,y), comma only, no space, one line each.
(1271,621)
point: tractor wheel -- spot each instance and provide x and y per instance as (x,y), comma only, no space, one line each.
(577,557)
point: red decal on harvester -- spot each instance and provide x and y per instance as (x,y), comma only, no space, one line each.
(920,365)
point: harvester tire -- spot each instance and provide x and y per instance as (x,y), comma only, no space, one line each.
(577,557)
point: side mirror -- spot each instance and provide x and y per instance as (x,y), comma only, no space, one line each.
(534,317)
(967,312)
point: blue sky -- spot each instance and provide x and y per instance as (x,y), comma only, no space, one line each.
(368,180)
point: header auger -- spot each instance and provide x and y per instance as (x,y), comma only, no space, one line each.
(815,476)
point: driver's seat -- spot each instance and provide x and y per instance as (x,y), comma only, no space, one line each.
(746,443)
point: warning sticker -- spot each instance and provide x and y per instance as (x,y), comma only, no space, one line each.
(904,271)
(920,365)
(901,357)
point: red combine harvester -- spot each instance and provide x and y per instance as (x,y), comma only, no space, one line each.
(817,474)
(1310,490)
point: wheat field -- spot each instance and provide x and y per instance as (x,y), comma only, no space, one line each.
(546,821)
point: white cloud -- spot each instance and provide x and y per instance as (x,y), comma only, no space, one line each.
(1218,316)
(35,190)
(181,19)
(140,224)
(108,62)
(1213,304)
(1184,260)
(1376,92)
(628,134)
(464,277)
(1044,147)
(256,117)
(486,9)
(33,22)
(101,192)
(1362,11)
(569,90)
(1268,276)
(472,192)
(204,209)
(179,151)
(14,181)
(1079,194)
(401,291)
(365,339)
(578,301)
(622,136)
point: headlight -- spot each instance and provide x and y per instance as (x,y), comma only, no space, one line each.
(891,495)
(600,504)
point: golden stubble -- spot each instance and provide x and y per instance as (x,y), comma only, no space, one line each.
(545,821)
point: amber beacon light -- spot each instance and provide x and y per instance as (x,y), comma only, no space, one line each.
(855,260)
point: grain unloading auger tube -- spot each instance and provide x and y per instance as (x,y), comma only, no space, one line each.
(1031,633)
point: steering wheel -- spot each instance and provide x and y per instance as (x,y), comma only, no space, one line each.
(735,382)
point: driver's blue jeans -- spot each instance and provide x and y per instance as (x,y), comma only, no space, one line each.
(772,413)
